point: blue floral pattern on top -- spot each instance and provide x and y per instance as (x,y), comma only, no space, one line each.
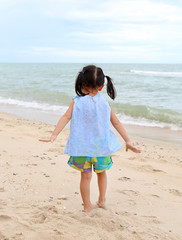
(90,133)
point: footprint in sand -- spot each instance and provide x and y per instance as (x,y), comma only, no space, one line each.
(155,195)
(158,170)
(1,189)
(129,192)
(9,125)
(2,203)
(175,192)
(152,219)
(50,209)
(2,237)
(58,232)
(38,218)
(124,179)
(29,164)
(149,168)
(4,218)
(52,150)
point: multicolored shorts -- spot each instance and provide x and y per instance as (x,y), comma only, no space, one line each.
(84,164)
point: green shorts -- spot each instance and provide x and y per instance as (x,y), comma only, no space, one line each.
(84,164)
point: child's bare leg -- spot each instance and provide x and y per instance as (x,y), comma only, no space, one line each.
(85,190)
(102,184)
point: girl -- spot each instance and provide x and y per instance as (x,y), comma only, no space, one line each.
(91,142)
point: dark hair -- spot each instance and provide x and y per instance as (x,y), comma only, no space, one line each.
(92,77)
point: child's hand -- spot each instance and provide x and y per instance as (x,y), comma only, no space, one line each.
(51,139)
(132,148)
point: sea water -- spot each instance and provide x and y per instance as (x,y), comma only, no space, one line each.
(147,94)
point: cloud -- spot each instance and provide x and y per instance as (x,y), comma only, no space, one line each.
(114,54)
(104,30)
(115,10)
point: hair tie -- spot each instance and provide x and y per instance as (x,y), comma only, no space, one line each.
(82,72)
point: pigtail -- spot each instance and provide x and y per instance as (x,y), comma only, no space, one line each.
(111,91)
(78,85)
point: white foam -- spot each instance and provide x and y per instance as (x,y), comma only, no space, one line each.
(33,105)
(154,73)
(56,109)
(146,122)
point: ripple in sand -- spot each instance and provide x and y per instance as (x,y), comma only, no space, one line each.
(175,192)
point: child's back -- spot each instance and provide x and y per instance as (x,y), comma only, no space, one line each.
(90,133)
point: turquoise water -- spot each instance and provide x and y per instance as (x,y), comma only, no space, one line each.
(147,94)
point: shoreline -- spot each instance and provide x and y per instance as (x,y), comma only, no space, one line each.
(150,133)
(155,134)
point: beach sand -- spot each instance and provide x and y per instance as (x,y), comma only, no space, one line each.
(40,197)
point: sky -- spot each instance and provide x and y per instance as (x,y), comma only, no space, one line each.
(103,31)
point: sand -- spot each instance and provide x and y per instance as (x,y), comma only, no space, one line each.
(40,198)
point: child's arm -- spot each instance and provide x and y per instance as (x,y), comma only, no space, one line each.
(61,124)
(119,127)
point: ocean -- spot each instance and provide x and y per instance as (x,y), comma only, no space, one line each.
(147,94)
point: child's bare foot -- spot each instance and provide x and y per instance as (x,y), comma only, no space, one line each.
(89,208)
(101,204)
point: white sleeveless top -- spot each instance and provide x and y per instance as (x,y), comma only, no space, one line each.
(90,133)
